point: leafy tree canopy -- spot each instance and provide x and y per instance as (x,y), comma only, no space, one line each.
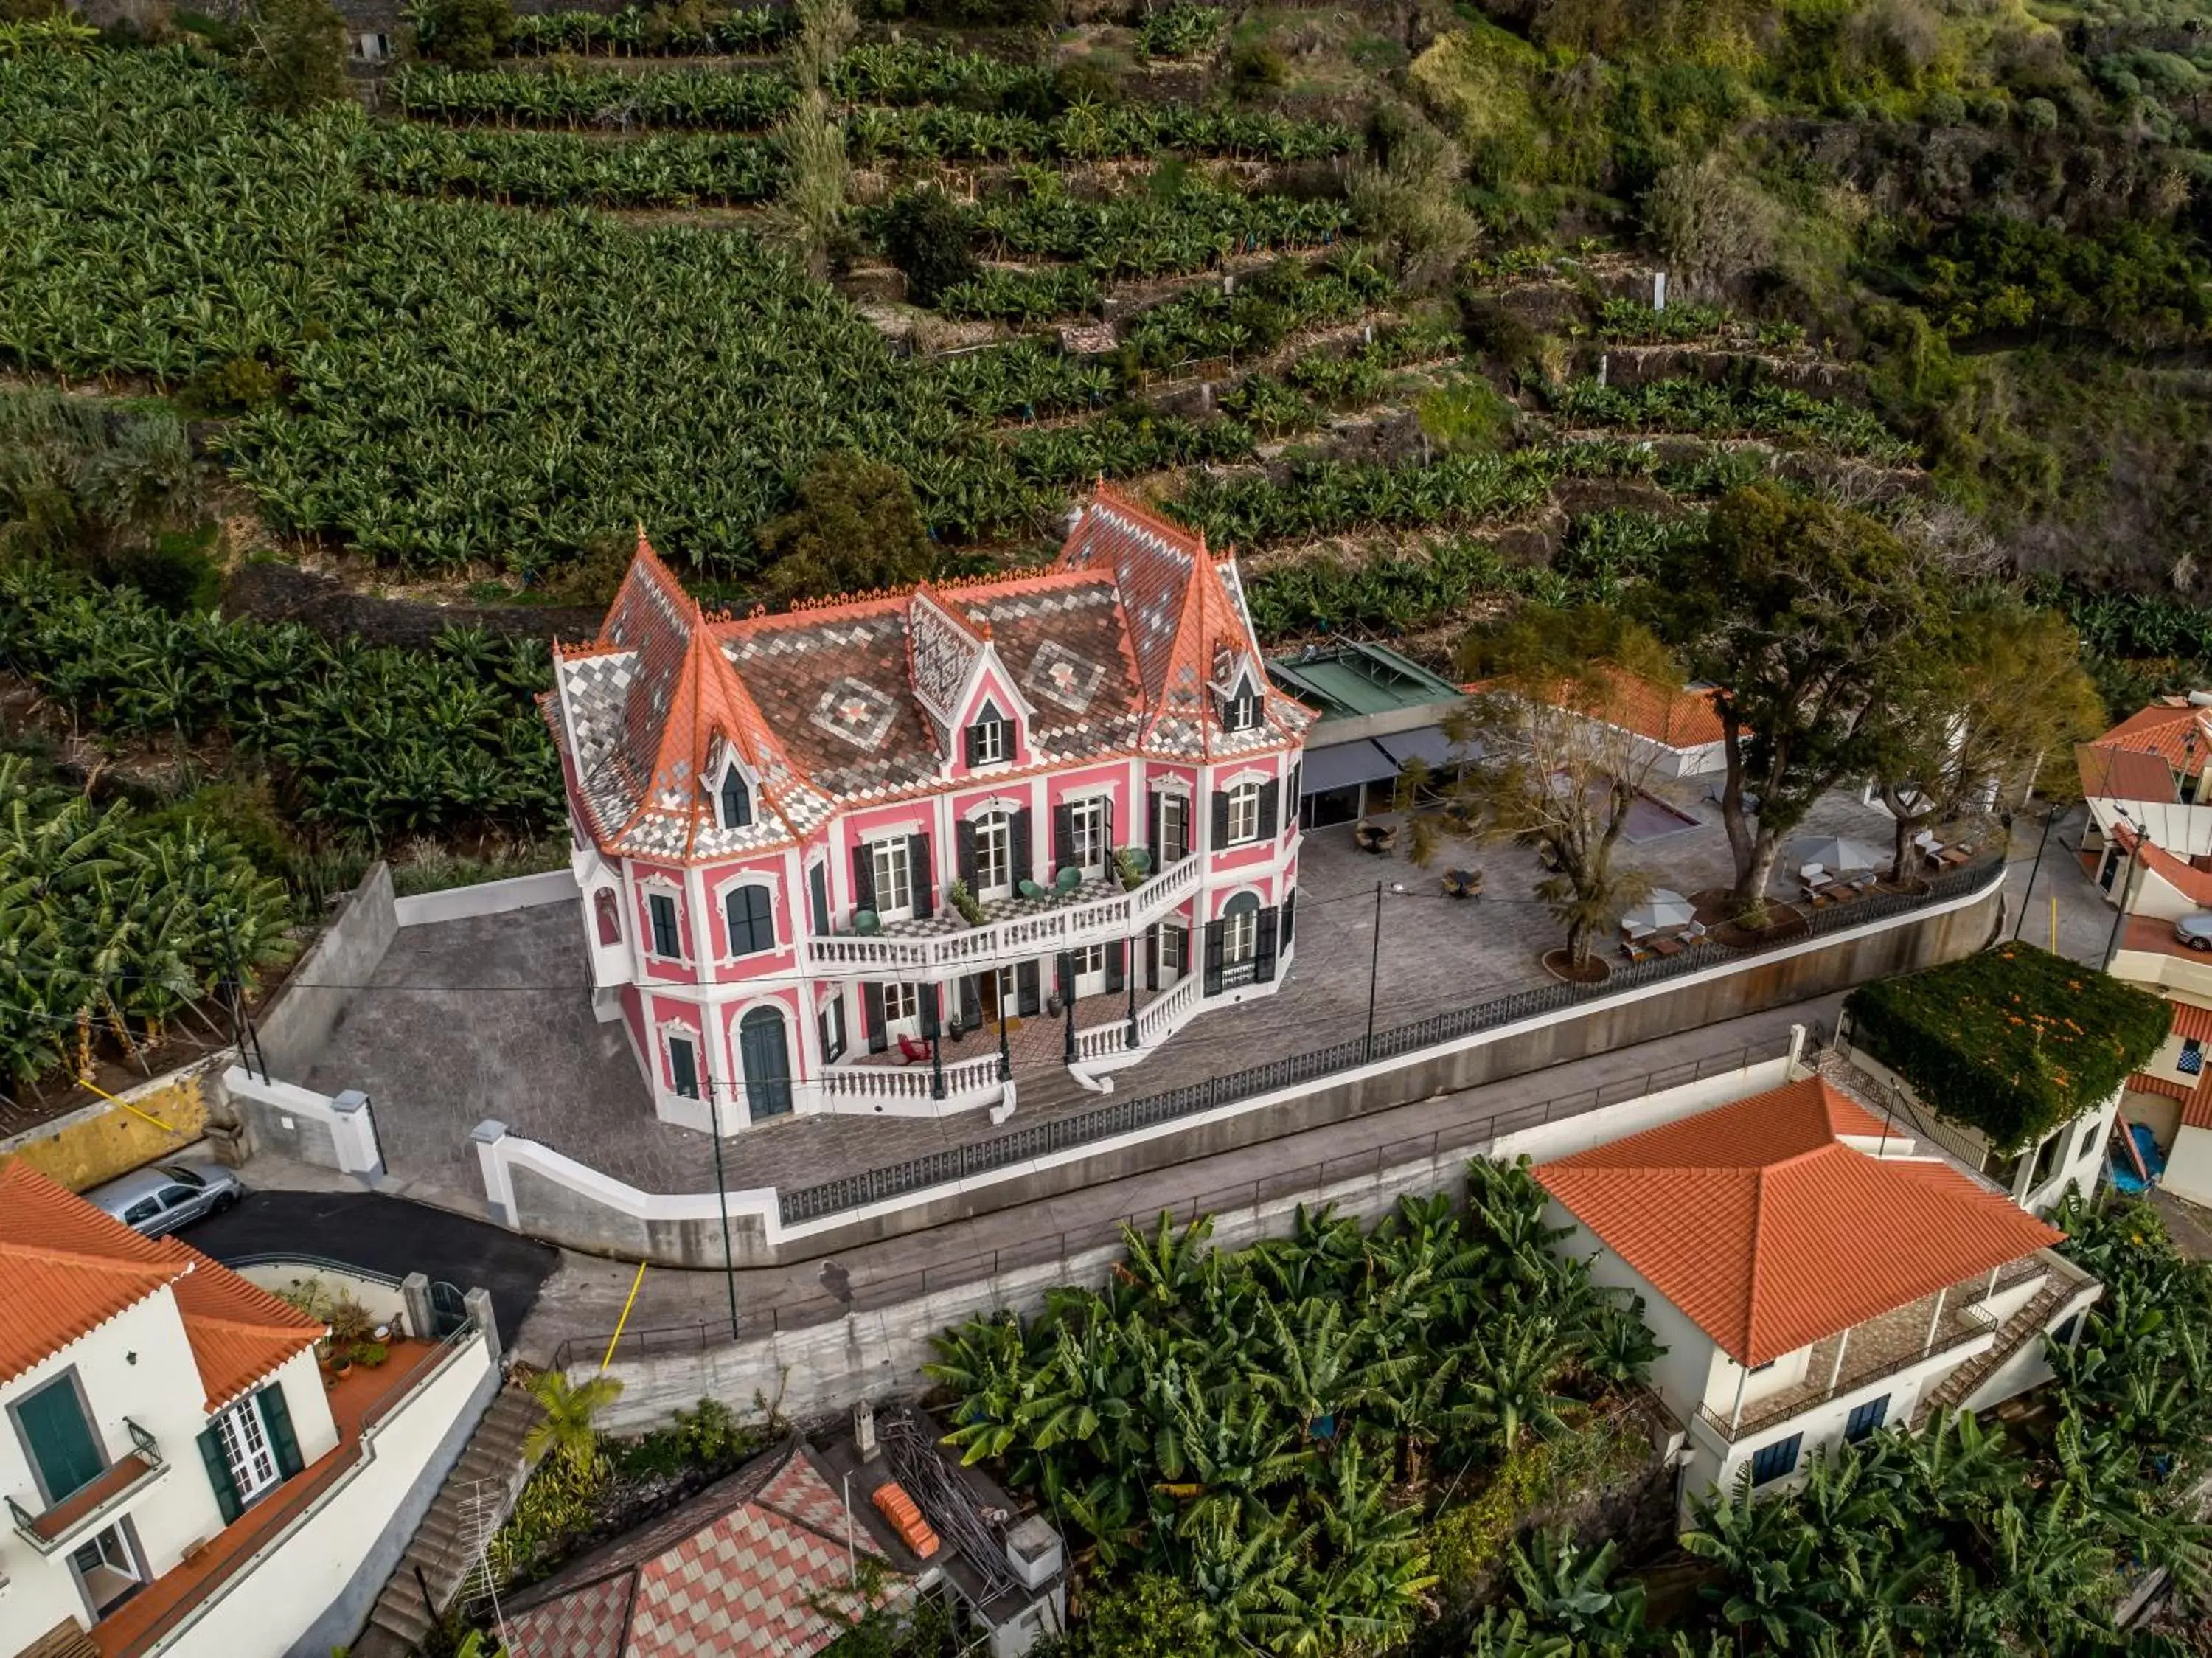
(295,54)
(853,526)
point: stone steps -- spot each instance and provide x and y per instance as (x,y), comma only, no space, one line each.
(2012,1334)
(443,1547)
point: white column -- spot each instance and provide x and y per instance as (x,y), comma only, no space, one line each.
(1934,1319)
(1842,1346)
(1735,1415)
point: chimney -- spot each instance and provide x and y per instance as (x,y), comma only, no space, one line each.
(864,1431)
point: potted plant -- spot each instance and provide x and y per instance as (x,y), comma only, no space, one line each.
(958,896)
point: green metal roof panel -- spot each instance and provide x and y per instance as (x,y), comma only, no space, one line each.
(1348,680)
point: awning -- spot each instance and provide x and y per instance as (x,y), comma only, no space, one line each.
(1343,765)
(1429,744)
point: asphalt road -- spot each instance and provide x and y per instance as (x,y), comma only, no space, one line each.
(387,1235)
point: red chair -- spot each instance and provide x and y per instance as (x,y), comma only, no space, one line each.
(914,1052)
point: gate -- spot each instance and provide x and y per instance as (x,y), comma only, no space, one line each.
(448,1312)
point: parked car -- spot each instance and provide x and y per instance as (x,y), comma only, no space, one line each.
(163,1197)
(2195,931)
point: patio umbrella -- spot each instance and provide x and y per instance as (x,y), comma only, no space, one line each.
(1838,853)
(1664,908)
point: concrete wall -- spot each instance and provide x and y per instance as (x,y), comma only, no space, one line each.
(307,1126)
(110,1138)
(313,1584)
(487,898)
(830,1367)
(566,1203)
(299,1018)
(2188,1165)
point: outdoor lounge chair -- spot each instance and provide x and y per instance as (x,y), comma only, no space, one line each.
(1031,891)
(868,922)
(1067,882)
(912,1051)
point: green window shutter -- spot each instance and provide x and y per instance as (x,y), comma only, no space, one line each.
(61,1440)
(282,1439)
(218,1473)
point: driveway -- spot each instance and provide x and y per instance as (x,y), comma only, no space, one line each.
(387,1235)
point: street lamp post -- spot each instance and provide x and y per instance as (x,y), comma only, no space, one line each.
(722,1202)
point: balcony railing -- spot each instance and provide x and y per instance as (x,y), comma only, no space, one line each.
(1156,1020)
(1965,1326)
(63,1522)
(966,1082)
(1024,927)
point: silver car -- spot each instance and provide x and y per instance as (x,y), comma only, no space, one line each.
(162,1197)
(2195,931)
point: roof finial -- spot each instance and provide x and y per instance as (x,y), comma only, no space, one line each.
(643,546)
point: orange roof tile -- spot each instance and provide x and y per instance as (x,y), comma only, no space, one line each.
(1768,1232)
(2164,729)
(66,1268)
(2109,773)
(2143,1082)
(2196,1108)
(2192,883)
(240,1334)
(2190,1021)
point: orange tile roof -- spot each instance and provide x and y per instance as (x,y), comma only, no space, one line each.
(1768,1232)
(2109,773)
(2192,883)
(240,1334)
(2163,728)
(2173,1087)
(1677,715)
(2196,1108)
(2190,1021)
(66,1268)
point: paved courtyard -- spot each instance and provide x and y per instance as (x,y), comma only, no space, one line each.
(491,1016)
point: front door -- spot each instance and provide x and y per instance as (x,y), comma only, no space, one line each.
(767,1060)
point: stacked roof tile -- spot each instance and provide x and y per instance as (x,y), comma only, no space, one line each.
(66,1268)
(2143,757)
(1127,645)
(1761,1225)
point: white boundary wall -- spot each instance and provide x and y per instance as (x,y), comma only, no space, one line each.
(488,898)
(832,1366)
(337,1133)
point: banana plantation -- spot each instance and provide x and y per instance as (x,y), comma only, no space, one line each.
(114,929)
(1274,1427)
(377,740)
(630,32)
(559,169)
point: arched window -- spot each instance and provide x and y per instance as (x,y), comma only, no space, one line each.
(1240,932)
(766,1057)
(752,919)
(608,910)
(737,800)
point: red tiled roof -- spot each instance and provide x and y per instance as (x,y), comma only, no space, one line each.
(737,1569)
(2123,774)
(1759,1224)
(1678,717)
(2163,730)
(240,1334)
(2193,884)
(66,1268)
(2173,1087)
(2197,1107)
(2191,1021)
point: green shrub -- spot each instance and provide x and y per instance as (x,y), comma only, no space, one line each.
(2039,115)
(463,34)
(1257,66)
(929,238)
(2013,1041)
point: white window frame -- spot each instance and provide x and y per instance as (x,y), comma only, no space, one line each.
(1243,813)
(752,797)
(1178,804)
(1087,966)
(1240,936)
(730,890)
(669,1036)
(893,869)
(830,1028)
(1090,810)
(995,854)
(991,745)
(1174,942)
(248,1451)
(902,1009)
(660,890)
(1240,709)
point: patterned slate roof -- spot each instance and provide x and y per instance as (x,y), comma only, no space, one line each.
(739,1568)
(1769,1233)
(1123,645)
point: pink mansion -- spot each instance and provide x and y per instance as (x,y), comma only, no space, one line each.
(829,857)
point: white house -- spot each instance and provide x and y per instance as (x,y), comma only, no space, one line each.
(830,857)
(1811,1275)
(178,1475)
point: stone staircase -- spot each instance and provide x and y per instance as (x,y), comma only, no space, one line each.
(444,1546)
(2015,1332)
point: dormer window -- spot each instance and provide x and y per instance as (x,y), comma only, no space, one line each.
(1240,709)
(991,739)
(737,800)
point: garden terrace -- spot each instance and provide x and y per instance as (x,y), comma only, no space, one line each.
(2012,1042)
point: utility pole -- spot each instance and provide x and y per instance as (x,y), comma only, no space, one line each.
(2050,816)
(241,1020)
(2129,884)
(722,1201)
(1374,972)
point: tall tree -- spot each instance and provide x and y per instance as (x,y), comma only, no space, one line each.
(1990,692)
(810,138)
(853,526)
(1803,614)
(1559,766)
(295,54)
